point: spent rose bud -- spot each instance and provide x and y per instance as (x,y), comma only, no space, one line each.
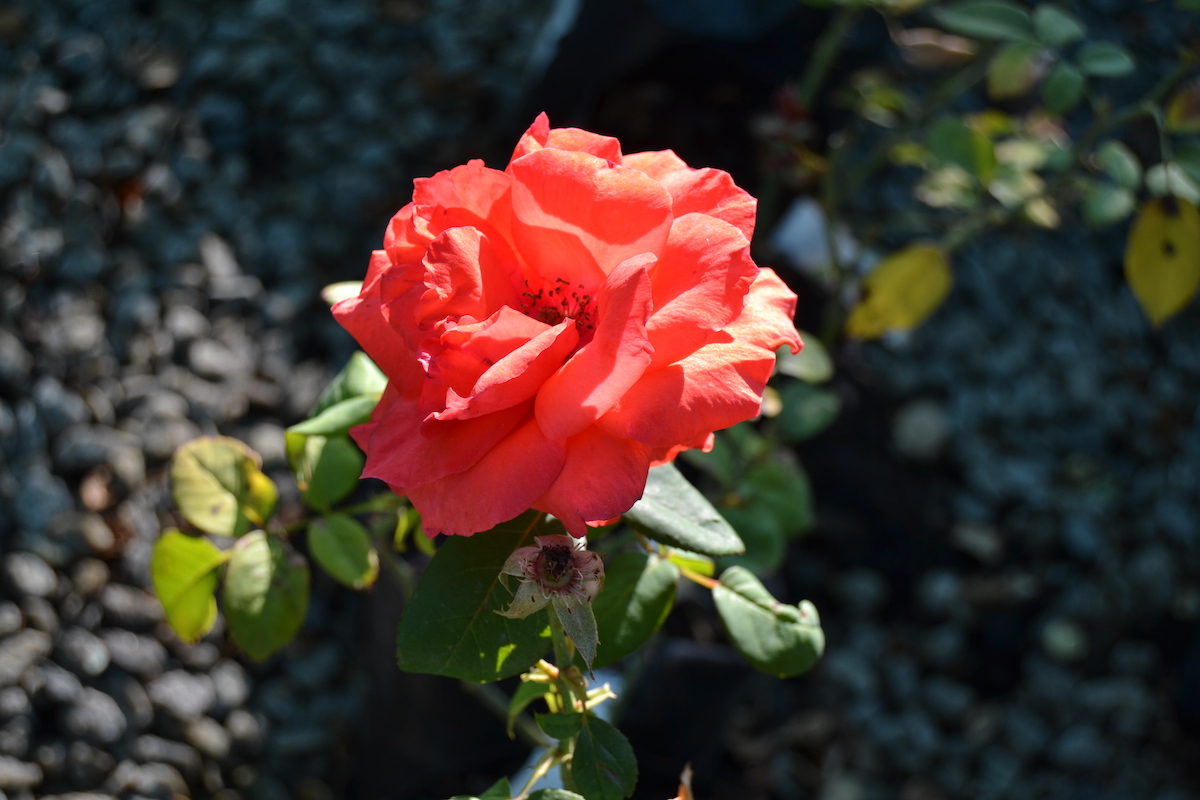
(553,330)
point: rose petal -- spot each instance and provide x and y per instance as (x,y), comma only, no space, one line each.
(767,316)
(708,191)
(719,385)
(603,369)
(399,454)
(665,455)
(363,317)
(503,484)
(576,216)
(700,283)
(540,136)
(465,275)
(603,477)
(472,190)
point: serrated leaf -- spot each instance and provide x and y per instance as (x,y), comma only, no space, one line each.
(985,19)
(901,292)
(603,765)
(638,594)
(218,486)
(500,790)
(811,364)
(776,638)
(1014,70)
(955,143)
(266,594)
(1056,26)
(1162,257)
(1105,204)
(343,548)
(1063,88)
(673,512)
(184,572)
(526,693)
(1119,163)
(359,378)
(579,623)
(1105,60)
(451,626)
(1170,180)
(328,470)
(559,726)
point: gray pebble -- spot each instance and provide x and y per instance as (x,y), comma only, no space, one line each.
(87,766)
(10,618)
(148,780)
(21,651)
(82,447)
(231,683)
(58,685)
(13,701)
(150,749)
(183,694)
(209,737)
(39,613)
(18,775)
(27,574)
(128,607)
(316,668)
(82,652)
(96,717)
(41,497)
(137,654)
(246,732)
(1081,748)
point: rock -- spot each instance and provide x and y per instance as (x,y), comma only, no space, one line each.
(920,430)
(231,684)
(137,654)
(18,775)
(209,737)
(316,668)
(87,766)
(127,607)
(246,732)
(10,618)
(1063,640)
(184,695)
(160,781)
(149,749)
(41,497)
(13,701)
(82,447)
(57,406)
(58,685)
(21,651)
(132,698)
(26,574)
(1081,748)
(39,613)
(82,652)
(96,717)
(90,575)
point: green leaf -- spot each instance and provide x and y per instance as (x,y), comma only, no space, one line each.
(956,143)
(555,794)
(985,19)
(812,364)
(338,418)
(1014,70)
(359,378)
(579,623)
(1105,60)
(1063,88)
(328,470)
(673,512)
(697,563)
(266,594)
(1105,203)
(451,626)
(1168,179)
(559,726)
(807,410)
(219,487)
(781,488)
(638,594)
(343,549)
(184,571)
(1055,26)
(500,789)
(1188,159)
(603,765)
(776,638)
(766,543)
(525,694)
(1119,163)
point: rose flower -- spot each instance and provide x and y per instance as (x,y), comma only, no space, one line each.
(552,331)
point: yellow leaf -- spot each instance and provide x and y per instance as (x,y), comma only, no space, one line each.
(904,289)
(1183,110)
(1162,258)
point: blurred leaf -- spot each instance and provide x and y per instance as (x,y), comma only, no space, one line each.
(1105,203)
(217,483)
(807,410)
(1056,26)
(929,48)
(328,470)
(776,638)
(901,292)
(338,418)
(266,594)
(638,594)
(184,572)
(1105,60)
(1063,88)
(500,790)
(985,19)
(1183,109)
(451,626)
(1170,180)
(334,293)
(1119,163)
(603,766)
(408,522)
(1162,257)
(766,543)
(954,142)
(811,364)
(359,378)
(908,154)
(1022,154)
(1041,212)
(1015,187)
(781,488)
(559,726)
(673,512)
(1014,70)
(1187,156)
(343,548)
(526,693)
(948,187)
(1188,5)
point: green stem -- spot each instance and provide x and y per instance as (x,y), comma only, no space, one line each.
(829,47)
(544,765)
(696,577)
(564,656)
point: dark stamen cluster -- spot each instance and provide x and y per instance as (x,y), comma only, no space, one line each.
(558,302)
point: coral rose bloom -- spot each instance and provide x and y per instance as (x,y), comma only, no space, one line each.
(552,331)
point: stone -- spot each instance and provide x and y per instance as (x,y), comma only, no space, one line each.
(41,496)
(231,683)
(87,766)
(246,731)
(135,653)
(14,701)
(18,775)
(149,749)
(19,652)
(131,608)
(27,574)
(185,695)
(39,613)
(209,737)
(82,447)
(921,430)
(96,717)
(58,685)
(82,652)
(10,618)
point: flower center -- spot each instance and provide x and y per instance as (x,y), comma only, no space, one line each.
(555,567)
(557,301)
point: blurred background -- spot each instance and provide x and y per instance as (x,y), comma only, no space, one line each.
(1000,494)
